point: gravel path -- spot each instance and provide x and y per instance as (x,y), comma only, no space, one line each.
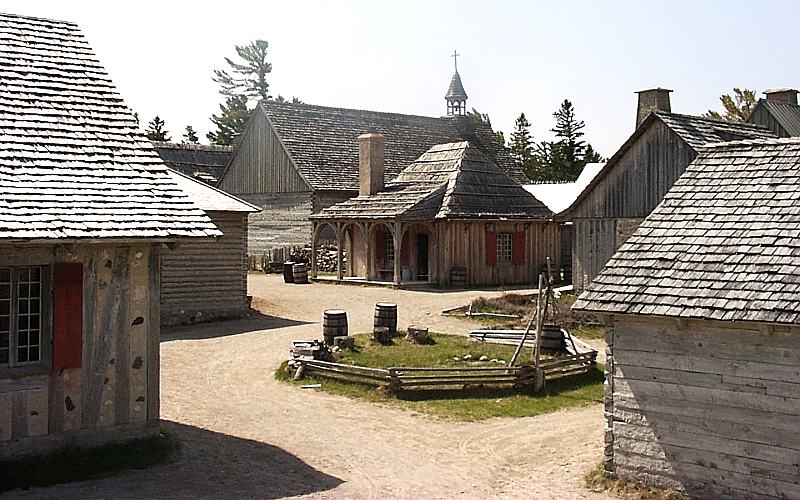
(246,435)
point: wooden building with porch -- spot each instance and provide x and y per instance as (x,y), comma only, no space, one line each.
(85,207)
(294,160)
(702,314)
(451,217)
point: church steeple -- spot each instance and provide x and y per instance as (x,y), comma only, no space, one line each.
(456,97)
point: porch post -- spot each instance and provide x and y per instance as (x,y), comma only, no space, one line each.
(339,244)
(397,240)
(314,236)
(365,227)
(433,255)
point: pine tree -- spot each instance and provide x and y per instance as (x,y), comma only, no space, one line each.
(190,136)
(481,118)
(231,120)
(572,148)
(248,77)
(737,108)
(156,130)
(521,143)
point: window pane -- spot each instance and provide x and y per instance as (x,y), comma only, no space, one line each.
(35,273)
(4,337)
(22,355)
(5,290)
(3,356)
(5,275)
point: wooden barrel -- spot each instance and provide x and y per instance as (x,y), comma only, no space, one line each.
(334,324)
(386,315)
(553,338)
(288,272)
(300,273)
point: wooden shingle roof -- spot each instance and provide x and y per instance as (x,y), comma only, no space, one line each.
(449,181)
(724,244)
(456,88)
(323,141)
(72,162)
(198,161)
(695,131)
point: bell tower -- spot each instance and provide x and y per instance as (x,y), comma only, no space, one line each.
(456,97)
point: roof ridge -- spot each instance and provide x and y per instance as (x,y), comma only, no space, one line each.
(335,108)
(752,142)
(191,146)
(712,120)
(35,18)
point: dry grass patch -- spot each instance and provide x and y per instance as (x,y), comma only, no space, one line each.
(629,489)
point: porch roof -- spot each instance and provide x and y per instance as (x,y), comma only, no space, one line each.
(449,181)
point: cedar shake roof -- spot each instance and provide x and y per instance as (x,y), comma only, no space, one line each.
(209,198)
(724,244)
(456,89)
(323,141)
(72,162)
(449,181)
(695,131)
(198,161)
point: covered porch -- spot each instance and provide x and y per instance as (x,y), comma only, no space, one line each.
(381,251)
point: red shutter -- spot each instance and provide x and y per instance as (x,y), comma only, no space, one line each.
(380,245)
(519,248)
(67,316)
(491,248)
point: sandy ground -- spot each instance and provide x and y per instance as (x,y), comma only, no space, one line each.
(245,435)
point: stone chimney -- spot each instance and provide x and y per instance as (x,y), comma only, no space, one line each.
(370,164)
(784,95)
(656,99)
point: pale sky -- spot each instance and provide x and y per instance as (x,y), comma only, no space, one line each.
(395,56)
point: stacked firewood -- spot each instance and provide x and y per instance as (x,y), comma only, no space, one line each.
(326,258)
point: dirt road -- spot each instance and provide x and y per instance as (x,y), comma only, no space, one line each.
(246,435)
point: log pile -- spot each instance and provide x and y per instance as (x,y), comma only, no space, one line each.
(272,260)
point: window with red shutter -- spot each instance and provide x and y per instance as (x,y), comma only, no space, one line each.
(67,315)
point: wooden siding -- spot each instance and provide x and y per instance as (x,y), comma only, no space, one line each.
(108,397)
(260,163)
(635,185)
(463,244)
(762,116)
(706,407)
(207,279)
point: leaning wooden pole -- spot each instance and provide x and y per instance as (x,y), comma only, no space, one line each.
(539,324)
(534,317)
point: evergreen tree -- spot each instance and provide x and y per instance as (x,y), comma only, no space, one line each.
(572,147)
(481,118)
(248,77)
(521,144)
(737,108)
(156,130)
(591,156)
(190,136)
(231,121)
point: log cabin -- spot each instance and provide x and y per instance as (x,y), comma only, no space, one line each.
(636,178)
(702,314)
(451,217)
(293,159)
(206,280)
(85,206)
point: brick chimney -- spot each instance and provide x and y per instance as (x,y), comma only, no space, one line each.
(370,164)
(656,99)
(784,95)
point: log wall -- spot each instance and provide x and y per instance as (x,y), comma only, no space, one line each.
(206,280)
(633,187)
(709,408)
(282,221)
(114,394)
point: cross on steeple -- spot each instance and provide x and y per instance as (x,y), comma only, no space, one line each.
(456,97)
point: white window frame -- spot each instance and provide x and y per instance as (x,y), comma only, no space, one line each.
(14,306)
(389,247)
